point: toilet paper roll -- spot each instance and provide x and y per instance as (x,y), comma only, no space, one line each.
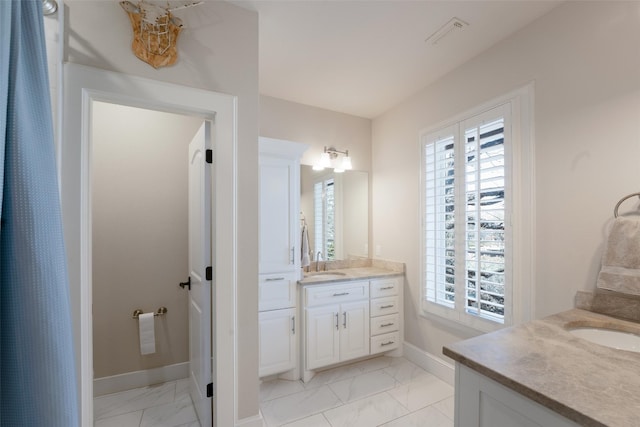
(147,333)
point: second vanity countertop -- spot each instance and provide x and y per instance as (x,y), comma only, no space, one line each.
(347,274)
(590,384)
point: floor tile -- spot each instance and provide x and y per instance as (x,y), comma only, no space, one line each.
(425,417)
(273,389)
(362,385)
(371,411)
(349,371)
(446,406)
(422,391)
(132,419)
(404,372)
(317,420)
(170,415)
(299,405)
(133,400)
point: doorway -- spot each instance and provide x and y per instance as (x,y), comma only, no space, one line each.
(140,224)
(82,87)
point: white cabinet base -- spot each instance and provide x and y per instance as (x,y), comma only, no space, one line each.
(482,402)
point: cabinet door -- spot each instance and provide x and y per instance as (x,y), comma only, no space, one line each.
(354,334)
(278,219)
(277,341)
(322,336)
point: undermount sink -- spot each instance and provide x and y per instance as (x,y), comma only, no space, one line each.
(608,338)
(325,275)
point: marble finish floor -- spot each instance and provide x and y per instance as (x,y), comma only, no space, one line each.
(161,405)
(384,391)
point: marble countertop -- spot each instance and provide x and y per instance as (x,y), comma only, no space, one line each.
(347,274)
(590,384)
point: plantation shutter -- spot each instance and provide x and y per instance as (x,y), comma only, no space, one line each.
(465,200)
(439,219)
(485,208)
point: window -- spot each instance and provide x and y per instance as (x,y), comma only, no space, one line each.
(325,216)
(473,226)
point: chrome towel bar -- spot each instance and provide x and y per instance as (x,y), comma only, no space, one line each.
(159,312)
(615,210)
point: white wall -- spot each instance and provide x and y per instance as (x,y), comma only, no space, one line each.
(318,128)
(584,58)
(217,51)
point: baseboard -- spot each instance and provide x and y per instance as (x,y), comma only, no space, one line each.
(129,380)
(430,363)
(255,421)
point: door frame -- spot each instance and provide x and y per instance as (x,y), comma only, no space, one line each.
(81,86)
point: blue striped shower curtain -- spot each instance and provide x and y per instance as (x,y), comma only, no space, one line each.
(37,372)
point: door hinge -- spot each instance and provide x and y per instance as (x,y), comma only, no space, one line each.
(210,390)
(209,156)
(208,273)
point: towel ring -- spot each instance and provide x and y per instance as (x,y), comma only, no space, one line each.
(615,210)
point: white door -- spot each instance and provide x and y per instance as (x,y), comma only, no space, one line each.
(322,336)
(277,330)
(277,242)
(199,260)
(354,334)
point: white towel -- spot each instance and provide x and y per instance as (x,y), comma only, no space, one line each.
(305,258)
(620,270)
(146,324)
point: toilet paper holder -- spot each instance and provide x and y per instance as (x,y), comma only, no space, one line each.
(159,312)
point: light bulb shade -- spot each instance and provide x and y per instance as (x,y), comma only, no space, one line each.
(325,160)
(346,163)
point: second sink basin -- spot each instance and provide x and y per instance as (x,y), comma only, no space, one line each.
(608,337)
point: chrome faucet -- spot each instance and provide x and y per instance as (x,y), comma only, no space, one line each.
(318,256)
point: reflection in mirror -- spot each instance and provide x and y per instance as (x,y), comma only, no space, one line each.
(335,207)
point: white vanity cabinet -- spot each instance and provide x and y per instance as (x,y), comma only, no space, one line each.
(386,314)
(482,402)
(336,323)
(279,255)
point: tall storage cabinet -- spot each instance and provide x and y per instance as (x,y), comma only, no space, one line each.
(279,254)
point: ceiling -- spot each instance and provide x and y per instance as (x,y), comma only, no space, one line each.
(364,57)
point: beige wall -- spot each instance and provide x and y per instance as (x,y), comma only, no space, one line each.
(584,58)
(218,51)
(140,219)
(318,128)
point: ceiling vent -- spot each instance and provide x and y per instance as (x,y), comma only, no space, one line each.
(454,25)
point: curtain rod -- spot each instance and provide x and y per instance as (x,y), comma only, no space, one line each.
(49,7)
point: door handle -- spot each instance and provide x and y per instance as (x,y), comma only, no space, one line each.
(186,284)
(337,321)
(344,321)
(293,325)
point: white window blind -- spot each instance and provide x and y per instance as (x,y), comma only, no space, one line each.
(485,262)
(439,162)
(466,250)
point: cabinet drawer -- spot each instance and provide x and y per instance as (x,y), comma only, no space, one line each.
(276,291)
(384,324)
(385,342)
(384,287)
(336,293)
(382,306)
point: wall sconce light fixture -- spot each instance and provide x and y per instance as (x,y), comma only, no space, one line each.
(328,158)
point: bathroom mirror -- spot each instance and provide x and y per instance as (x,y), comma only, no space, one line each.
(335,207)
